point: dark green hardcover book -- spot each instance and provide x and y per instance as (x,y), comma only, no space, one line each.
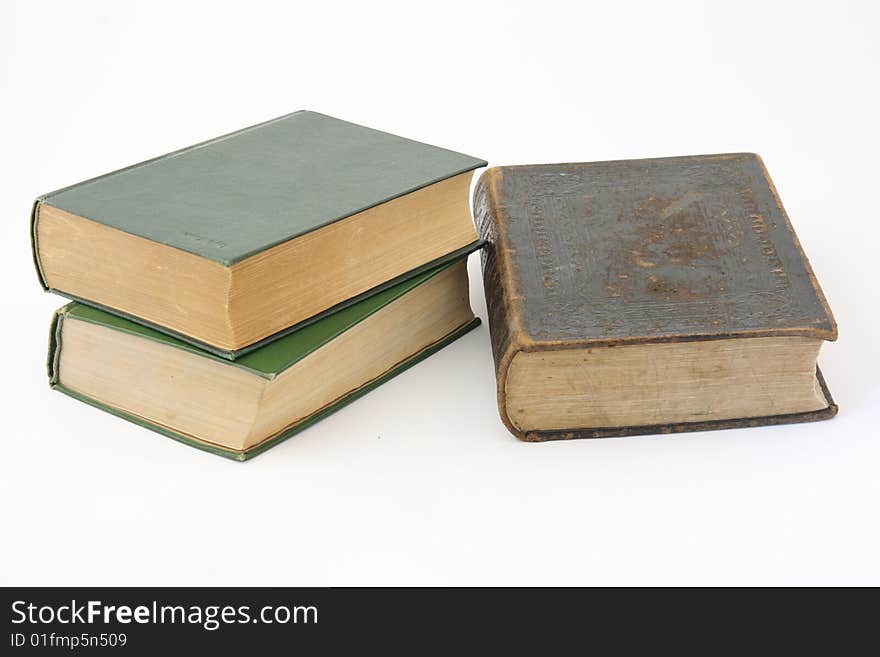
(648,296)
(241,408)
(232,242)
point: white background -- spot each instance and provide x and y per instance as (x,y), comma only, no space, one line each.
(419,482)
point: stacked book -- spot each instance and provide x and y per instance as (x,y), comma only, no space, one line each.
(232,293)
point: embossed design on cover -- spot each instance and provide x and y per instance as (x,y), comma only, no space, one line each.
(627,252)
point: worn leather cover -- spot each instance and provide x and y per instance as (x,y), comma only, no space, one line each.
(640,251)
(234,196)
(266,362)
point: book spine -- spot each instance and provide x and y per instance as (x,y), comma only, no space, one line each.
(54,357)
(500,285)
(35,246)
(829,333)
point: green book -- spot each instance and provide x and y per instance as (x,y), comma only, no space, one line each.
(229,243)
(241,408)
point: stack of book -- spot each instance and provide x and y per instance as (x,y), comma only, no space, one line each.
(232,293)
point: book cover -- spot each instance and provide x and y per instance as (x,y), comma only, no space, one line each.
(642,251)
(220,199)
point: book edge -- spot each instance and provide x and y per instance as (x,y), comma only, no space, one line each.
(243,455)
(233,355)
(261,373)
(706,156)
(686,427)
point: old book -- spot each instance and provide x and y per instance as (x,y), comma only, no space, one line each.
(648,296)
(240,408)
(230,242)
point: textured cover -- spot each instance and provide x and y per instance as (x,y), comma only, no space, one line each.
(231,197)
(636,251)
(266,362)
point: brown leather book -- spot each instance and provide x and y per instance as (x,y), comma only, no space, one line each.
(648,296)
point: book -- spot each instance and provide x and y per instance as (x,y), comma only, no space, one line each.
(648,296)
(231,242)
(241,408)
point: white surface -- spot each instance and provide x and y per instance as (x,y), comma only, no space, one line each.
(419,483)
